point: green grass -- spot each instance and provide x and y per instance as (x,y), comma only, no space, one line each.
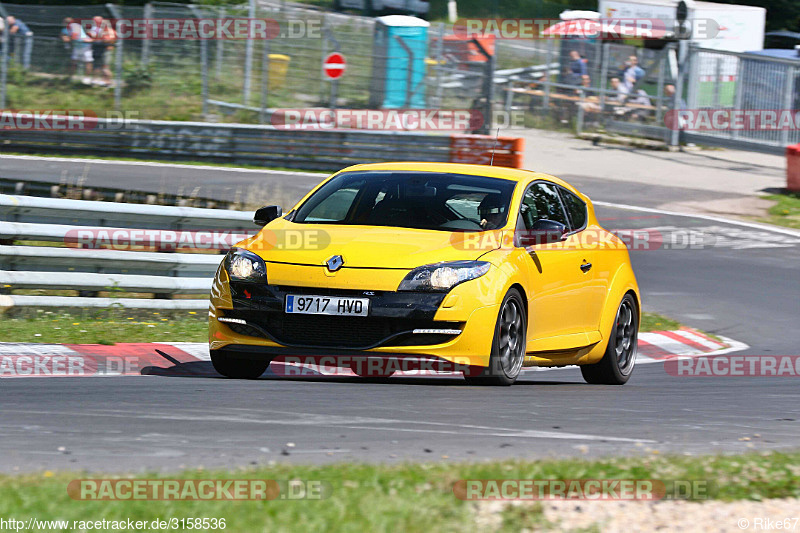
(406,497)
(656,322)
(786,211)
(107,326)
(110,326)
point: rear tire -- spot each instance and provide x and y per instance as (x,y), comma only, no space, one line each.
(508,345)
(237,368)
(616,366)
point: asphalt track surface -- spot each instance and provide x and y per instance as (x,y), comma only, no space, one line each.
(744,285)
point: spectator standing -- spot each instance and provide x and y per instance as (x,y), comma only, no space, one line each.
(81,43)
(103,38)
(632,72)
(20,33)
(577,68)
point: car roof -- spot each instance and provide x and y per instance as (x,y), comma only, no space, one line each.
(514,174)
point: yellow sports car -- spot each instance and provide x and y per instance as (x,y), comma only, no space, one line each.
(487,269)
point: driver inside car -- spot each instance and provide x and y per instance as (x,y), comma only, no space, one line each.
(492,211)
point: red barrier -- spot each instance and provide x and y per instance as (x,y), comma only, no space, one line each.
(477,149)
(793,167)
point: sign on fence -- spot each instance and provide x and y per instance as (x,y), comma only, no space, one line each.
(334,66)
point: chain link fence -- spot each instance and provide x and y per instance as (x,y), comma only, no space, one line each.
(247,80)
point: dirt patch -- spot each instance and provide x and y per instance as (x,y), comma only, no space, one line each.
(626,516)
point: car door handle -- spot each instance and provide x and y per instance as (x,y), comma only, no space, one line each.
(586,267)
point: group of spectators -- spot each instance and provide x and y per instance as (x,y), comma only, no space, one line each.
(625,85)
(90,47)
(625,91)
(20,39)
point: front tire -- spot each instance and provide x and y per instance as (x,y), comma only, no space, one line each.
(508,344)
(237,368)
(616,366)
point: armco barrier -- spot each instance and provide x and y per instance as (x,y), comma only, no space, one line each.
(91,271)
(257,145)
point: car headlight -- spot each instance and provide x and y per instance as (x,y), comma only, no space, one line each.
(443,276)
(245,266)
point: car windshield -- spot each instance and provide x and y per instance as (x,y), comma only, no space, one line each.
(422,200)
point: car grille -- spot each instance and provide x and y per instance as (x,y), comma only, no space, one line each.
(337,331)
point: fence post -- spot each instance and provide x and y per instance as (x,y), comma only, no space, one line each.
(220,50)
(548,60)
(203,63)
(148,14)
(262,115)
(717,81)
(606,52)
(334,83)
(117,14)
(788,96)
(737,94)
(488,87)
(674,139)
(439,68)
(324,52)
(693,78)
(3,70)
(660,98)
(248,57)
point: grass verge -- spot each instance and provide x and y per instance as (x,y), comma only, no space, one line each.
(406,497)
(786,211)
(108,326)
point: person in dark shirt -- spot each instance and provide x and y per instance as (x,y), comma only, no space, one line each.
(577,68)
(22,37)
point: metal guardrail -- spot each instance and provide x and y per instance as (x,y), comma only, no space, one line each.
(79,190)
(122,267)
(234,143)
(14,208)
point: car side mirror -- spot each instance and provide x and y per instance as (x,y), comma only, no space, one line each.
(544,231)
(267,214)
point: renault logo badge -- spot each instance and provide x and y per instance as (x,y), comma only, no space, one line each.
(335,263)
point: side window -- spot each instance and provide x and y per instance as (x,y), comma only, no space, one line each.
(576,209)
(540,201)
(335,207)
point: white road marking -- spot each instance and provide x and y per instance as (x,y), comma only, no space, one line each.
(699,339)
(669,345)
(763,227)
(720,237)
(198,350)
(25,348)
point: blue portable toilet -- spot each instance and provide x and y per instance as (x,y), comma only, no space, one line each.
(398,81)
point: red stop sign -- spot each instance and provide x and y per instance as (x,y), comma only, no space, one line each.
(334,65)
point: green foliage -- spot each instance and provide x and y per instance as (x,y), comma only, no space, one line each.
(137,76)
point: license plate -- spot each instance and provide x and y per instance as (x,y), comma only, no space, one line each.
(326,305)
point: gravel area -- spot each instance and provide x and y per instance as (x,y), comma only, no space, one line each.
(680,516)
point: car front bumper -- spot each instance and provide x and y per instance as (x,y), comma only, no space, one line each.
(456,327)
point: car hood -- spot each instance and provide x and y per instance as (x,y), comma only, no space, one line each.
(365,246)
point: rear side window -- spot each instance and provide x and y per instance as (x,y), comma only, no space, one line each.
(541,201)
(576,209)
